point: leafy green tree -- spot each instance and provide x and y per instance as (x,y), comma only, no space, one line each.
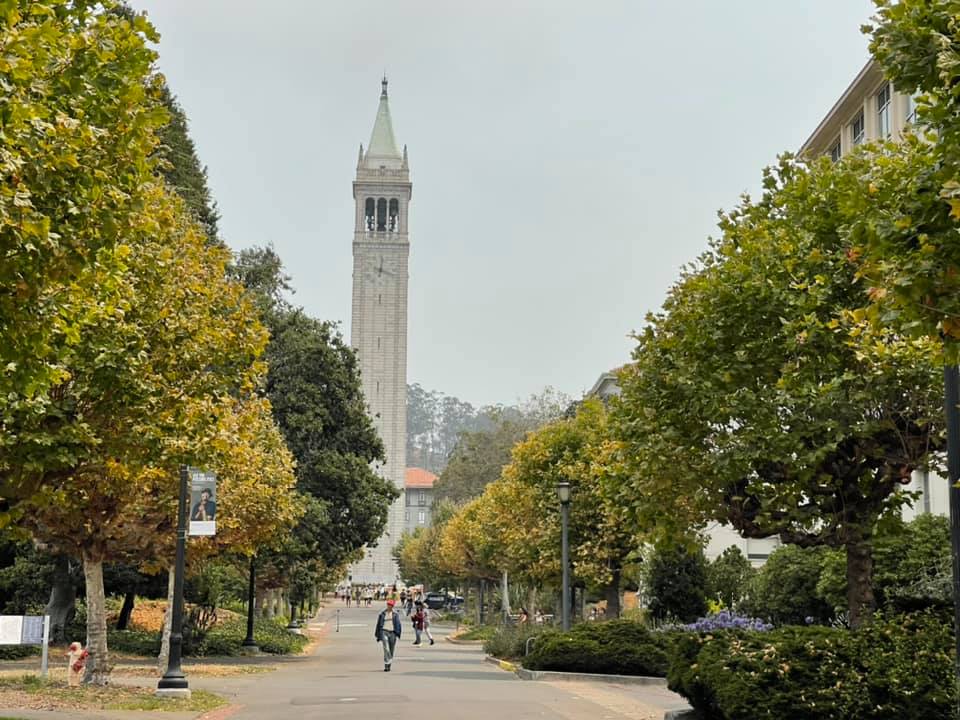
(478,459)
(913,566)
(905,230)
(417,552)
(675,582)
(747,403)
(79,117)
(729,577)
(784,590)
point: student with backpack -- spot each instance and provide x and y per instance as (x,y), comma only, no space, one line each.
(421,622)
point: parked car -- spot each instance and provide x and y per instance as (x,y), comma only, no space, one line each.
(454,603)
(435,600)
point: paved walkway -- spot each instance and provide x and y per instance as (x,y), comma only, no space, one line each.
(344,678)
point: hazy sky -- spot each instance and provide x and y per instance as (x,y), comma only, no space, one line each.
(567,157)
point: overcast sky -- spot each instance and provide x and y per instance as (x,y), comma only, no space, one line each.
(567,157)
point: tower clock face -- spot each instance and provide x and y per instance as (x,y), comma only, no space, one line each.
(378,272)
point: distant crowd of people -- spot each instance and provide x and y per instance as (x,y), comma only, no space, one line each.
(364,595)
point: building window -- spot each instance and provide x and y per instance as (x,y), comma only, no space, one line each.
(883,111)
(422,517)
(835,150)
(857,129)
(406,516)
(911,114)
(421,498)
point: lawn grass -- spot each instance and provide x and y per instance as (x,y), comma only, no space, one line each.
(484,632)
(35,693)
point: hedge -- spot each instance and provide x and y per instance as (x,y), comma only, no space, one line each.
(895,667)
(223,640)
(618,647)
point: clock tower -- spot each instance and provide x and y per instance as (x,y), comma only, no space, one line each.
(378,331)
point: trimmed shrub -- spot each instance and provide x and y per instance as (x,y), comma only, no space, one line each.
(18,652)
(898,667)
(618,647)
(271,636)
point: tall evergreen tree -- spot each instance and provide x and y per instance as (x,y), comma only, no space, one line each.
(181,167)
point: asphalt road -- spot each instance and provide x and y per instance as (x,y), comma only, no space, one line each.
(345,679)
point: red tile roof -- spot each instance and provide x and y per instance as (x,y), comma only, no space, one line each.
(419,478)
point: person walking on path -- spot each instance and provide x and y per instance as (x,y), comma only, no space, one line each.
(388,632)
(421,622)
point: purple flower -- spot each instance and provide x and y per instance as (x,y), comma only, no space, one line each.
(727,620)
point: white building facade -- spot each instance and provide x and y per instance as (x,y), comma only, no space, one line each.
(378,332)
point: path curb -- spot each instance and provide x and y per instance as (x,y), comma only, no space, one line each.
(525,674)
(681,715)
(463,642)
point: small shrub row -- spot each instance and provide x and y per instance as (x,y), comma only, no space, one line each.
(224,640)
(894,667)
(618,647)
(134,642)
(271,636)
(18,652)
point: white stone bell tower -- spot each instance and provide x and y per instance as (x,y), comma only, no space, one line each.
(378,331)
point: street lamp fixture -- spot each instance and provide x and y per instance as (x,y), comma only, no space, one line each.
(563,493)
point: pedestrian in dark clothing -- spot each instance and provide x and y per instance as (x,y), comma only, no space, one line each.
(388,632)
(421,623)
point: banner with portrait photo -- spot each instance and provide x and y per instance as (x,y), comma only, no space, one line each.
(203,502)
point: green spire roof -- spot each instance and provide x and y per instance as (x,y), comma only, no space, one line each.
(382,143)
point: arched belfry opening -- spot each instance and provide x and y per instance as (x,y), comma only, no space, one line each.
(381,215)
(368,214)
(394,215)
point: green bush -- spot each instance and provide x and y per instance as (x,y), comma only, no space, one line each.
(784,590)
(509,641)
(18,652)
(899,667)
(271,637)
(134,642)
(676,582)
(618,647)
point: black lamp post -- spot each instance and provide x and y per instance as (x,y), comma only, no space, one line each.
(174,682)
(249,645)
(951,389)
(563,492)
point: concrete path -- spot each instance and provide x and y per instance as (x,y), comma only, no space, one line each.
(344,678)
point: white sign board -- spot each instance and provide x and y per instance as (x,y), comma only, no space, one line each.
(11,629)
(203,502)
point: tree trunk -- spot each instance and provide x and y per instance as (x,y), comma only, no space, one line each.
(63,600)
(126,611)
(164,655)
(98,664)
(505,591)
(532,602)
(612,596)
(860,600)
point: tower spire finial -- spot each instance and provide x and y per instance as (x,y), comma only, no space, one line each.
(383,84)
